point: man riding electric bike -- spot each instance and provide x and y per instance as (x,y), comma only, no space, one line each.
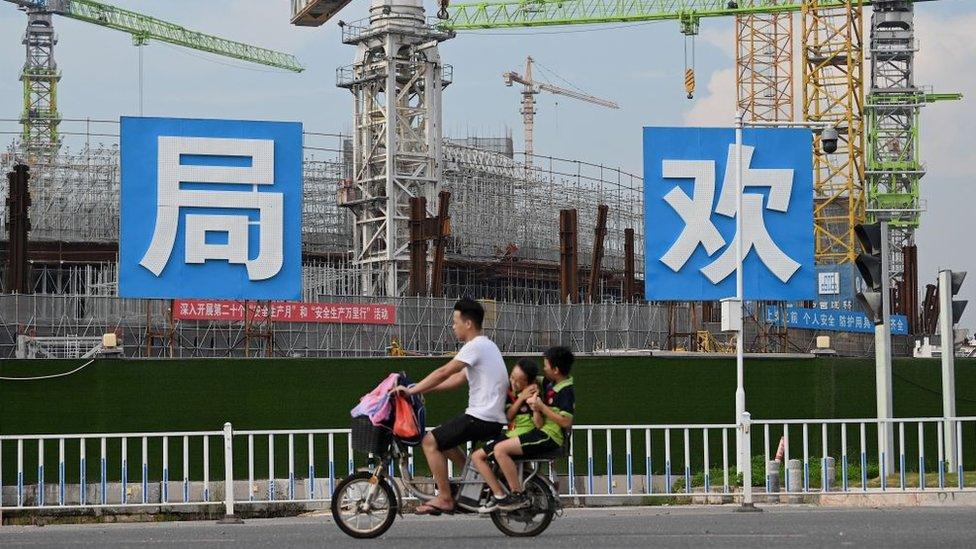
(480,363)
(365,503)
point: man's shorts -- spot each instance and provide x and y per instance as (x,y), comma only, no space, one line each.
(464,428)
(534,443)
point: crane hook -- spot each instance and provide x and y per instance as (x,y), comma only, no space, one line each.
(689,33)
(442,12)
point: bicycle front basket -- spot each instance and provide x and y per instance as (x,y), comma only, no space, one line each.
(369,438)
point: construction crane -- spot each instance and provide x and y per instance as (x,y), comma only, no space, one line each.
(40,75)
(833,84)
(548,13)
(530,89)
(312,13)
(874,173)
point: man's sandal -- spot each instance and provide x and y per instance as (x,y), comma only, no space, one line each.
(432,510)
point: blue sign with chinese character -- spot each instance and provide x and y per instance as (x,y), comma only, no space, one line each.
(690,209)
(210,209)
(830,320)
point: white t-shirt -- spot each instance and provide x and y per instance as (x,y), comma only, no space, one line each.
(487,379)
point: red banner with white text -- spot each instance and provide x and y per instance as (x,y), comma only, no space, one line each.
(284,311)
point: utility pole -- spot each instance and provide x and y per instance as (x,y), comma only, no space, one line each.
(949,313)
(875,299)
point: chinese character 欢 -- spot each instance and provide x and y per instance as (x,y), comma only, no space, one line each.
(699,228)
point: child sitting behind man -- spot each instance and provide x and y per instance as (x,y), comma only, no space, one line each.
(536,434)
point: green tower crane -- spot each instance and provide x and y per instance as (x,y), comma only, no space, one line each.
(547,13)
(888,170)
(40,76)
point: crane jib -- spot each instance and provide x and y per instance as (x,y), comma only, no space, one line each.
(524,14)
(146,27)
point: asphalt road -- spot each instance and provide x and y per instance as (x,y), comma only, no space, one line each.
(776,527)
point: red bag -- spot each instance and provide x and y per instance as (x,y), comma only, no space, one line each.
(405,423)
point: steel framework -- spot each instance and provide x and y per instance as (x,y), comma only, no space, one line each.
(764,66)
(833,73)
(511,257)
(833,92)
(542,13)
(40,76)
(75,194)
(532,87)
(894,166)
(396,83)
(146,27)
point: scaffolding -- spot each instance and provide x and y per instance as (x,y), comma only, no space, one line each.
(326,228)
(764,66)
(421,328)
(833,92)
(504,242)
(75,194)
(501,209)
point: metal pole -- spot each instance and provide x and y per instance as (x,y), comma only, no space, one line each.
(882,342)
(740,391)
(140,46)
(229,516)
(948,364)
(744,427)
(393,121)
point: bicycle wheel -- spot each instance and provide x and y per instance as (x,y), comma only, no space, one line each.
(532,520)
(357,517)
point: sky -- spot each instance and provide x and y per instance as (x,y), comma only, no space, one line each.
(638,66)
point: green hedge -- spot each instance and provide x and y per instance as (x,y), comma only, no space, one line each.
(158,395)
(169,395)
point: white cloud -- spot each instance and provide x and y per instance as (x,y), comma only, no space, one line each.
(947,61)
(721,37)
(716,106)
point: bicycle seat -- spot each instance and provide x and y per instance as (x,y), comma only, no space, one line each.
(558,453)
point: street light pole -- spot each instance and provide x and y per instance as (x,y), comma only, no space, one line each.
(743,448)
(743,419)
(882,344)
(740,390)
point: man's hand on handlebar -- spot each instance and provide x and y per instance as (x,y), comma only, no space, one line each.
(402,390)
